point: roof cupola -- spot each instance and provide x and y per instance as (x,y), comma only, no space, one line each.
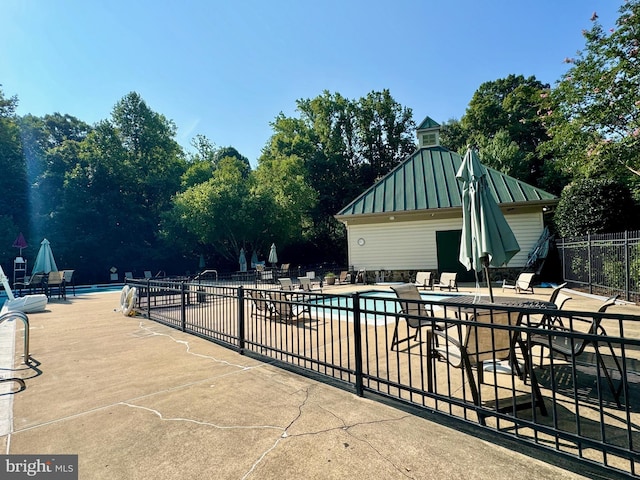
(428,133)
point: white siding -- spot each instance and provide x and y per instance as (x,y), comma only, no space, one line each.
(527,228)
(411,245)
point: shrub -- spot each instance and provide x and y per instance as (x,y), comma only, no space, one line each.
(595,206)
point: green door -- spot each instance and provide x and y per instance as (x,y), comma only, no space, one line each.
(448,246)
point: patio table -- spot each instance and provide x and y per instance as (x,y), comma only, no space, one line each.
(470,305)
(472,300)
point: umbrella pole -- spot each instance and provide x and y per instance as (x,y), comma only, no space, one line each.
(486,273)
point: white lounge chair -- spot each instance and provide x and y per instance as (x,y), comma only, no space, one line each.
(424,280)
(447,280)
(305,285)
(524,283)
(26,304)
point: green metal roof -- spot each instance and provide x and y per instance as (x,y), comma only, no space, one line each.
(427,180)
(428,122)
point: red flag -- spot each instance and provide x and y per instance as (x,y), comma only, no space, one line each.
(20,242)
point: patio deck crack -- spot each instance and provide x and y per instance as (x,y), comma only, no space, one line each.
(345,427)
(188,348)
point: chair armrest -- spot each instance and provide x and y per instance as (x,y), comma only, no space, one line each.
(443,334)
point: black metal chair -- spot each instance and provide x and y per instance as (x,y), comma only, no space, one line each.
(572,347)
(468,346)
(418,314)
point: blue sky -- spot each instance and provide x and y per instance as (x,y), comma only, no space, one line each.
(225,69)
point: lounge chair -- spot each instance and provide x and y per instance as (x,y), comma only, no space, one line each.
(522,284)
(34,284)
(26,304)
(556,291)
(424,280)
(286,307)
(56,283)
(284,270)
(68,280)
(447,280)
(148,274)
(468,346)
(260,305)
(418,314)
(264,274)
(285,283)
(345,277)
(305,285)
(128,275)
(572,347)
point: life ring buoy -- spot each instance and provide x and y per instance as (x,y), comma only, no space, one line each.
(123,296)
(130,302)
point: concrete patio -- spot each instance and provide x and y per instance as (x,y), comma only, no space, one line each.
(138,400)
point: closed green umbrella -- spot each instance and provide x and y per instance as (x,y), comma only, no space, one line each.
(487,238)
(45,262)
(243,261)
(273,254)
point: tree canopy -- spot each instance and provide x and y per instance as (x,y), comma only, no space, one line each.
(593,114)
(344,146)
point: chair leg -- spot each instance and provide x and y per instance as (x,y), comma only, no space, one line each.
(614,391)
(394,340)
(541,353)
(475,394)
(539,400)
(615,359)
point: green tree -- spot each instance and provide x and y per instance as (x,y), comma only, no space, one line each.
(50,147)
(594,112)
(13,181)
(148,139)
(231,152)
(504,154)
(282,183)
(217,217)
(206,159)
(7,105)
(385,135)
(345,145)
(453,136)
(510,109)
(96,224)
(119,181)
(200,164)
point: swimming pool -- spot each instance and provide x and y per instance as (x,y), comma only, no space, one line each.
(375,305)
(79,290)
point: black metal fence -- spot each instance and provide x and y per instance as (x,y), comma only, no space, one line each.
(604,263)
(480,366)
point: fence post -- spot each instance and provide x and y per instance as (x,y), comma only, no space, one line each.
(183,306)
(564,262)
(241,320)
(589,259)
(627,273)
(148,299)
(357,338)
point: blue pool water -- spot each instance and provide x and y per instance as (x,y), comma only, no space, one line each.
(79,290)
(375,305)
